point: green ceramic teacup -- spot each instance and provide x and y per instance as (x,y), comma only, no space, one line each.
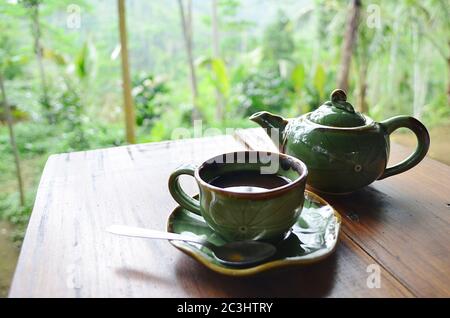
(267,214)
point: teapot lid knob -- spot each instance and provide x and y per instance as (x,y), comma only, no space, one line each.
(337,112)
(339,100)
(338,95)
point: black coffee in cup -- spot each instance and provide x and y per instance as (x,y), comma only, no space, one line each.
(249,181)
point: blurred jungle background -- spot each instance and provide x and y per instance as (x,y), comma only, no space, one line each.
(63,62)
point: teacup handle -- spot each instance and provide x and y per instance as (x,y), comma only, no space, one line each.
(178,193)
(423,143)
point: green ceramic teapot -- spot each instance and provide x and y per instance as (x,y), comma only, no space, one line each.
(344,150)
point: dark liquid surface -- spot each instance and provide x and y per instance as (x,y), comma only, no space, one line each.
(248,181)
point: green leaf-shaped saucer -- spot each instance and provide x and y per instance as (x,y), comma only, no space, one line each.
(312,239)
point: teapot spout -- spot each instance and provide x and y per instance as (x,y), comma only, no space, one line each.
(273,124)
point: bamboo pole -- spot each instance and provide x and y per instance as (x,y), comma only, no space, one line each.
(349,43)
(186,24)
(127,98)
(12,140)
(215,29)
(36,26)
(216,53)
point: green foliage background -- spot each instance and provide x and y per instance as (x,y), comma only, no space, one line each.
(280,56)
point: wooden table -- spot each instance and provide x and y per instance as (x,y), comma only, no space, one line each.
(400,224)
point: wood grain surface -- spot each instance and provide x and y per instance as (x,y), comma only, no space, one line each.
(400,224)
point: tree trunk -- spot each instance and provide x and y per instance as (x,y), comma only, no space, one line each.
(420,74)
(362,89)
(127,98)
(186,24)
(12,140)
(349,43)
(448,81)
(216,52)
(215,29)
(38,51)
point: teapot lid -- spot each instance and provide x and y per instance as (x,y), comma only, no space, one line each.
(337,112)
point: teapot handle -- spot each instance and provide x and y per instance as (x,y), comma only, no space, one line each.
(423,143)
